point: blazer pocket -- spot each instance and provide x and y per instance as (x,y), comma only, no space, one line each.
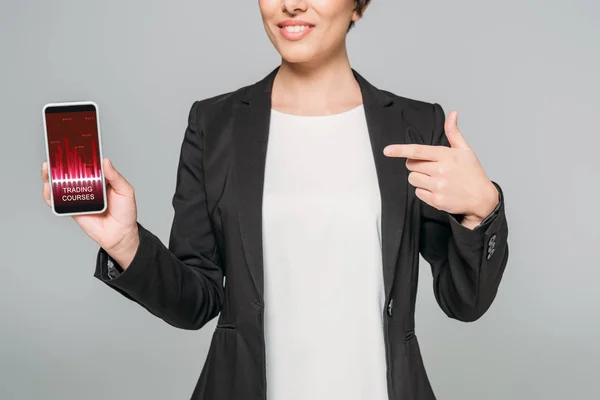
(225,326)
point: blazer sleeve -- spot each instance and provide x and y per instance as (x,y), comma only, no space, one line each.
(467,264)
(182,283)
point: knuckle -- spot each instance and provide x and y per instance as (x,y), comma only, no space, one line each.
(441,184)
(437,200)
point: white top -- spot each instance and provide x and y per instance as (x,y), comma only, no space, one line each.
(324,293)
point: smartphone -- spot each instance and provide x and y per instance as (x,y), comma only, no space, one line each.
(74,155)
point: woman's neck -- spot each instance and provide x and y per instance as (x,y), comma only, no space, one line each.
(326,87)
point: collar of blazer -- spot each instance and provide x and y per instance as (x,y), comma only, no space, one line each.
(251,131)
(265,86)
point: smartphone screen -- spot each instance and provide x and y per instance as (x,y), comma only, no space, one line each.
(74,159)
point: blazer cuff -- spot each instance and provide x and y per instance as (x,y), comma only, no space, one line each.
(111,273)
(473,238)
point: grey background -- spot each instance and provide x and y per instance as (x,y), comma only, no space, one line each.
(522,74)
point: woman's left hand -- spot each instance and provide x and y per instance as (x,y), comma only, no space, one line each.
(451,178)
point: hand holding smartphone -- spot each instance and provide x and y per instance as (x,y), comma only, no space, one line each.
(75,183)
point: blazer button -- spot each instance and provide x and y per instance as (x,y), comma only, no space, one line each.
(389,307)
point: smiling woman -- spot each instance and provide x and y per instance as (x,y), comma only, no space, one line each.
(283,188)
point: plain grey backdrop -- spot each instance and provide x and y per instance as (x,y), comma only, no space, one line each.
(523,75)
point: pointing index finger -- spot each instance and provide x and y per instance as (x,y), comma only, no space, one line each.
(414,151)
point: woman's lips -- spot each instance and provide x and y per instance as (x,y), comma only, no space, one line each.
(295,32)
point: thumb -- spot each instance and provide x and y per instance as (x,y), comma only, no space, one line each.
(116,180)
(453,134)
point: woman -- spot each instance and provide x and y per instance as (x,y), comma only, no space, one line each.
(319,236)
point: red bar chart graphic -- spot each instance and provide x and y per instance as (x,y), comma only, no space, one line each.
(75,160)
(70,165)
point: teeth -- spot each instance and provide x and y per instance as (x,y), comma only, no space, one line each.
(295,29)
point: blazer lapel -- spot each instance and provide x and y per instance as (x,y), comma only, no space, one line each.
(250,134)
(386,126)
(251,131)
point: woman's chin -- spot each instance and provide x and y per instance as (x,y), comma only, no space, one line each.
(297,56)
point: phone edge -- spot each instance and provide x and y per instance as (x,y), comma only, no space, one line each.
(74,103)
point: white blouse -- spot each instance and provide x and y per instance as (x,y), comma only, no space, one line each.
(324,293)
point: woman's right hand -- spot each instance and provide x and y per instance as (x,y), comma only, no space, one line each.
(115,230)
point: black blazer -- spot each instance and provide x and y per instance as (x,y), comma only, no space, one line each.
(216,233)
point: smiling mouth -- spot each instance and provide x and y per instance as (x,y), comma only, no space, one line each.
(295,28)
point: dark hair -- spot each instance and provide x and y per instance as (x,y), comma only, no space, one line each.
(359,6)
